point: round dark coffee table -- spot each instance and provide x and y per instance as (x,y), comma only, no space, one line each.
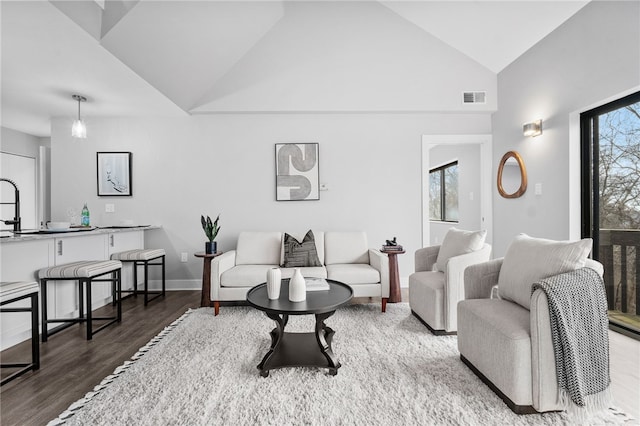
(300,349)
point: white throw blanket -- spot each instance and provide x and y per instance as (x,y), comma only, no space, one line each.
(579,327)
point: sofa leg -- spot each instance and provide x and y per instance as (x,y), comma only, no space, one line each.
(384,304)
(216,307)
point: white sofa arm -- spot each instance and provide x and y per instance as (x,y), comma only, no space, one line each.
(380,262)
(454,283)
(219,264)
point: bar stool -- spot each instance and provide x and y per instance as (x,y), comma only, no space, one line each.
(143,257)
(12,292)
(85,273)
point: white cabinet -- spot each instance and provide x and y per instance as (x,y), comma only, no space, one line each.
(123,241)
(62,296)
(21,259)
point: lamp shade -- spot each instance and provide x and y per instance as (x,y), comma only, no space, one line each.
(532,129)
(79,129)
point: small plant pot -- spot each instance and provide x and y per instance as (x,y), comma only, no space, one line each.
(211,247)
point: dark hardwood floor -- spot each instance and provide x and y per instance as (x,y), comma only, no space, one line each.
(71,366)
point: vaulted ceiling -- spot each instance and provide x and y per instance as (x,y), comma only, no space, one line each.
(174,58)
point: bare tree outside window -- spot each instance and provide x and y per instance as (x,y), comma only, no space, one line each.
(612,132)
(443,193)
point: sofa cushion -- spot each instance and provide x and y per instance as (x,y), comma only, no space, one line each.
(356,273)
(457,242)
(258,248)
(345,247)
(299,254)
(309,272)
(318,236)
(245,275)
(529,260)
(252,275)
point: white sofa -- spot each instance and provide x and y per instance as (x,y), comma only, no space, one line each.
(345,257)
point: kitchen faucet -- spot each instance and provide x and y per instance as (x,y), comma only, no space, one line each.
(16,219)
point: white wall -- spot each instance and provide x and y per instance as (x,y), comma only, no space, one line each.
(225,164)
(468,157)
(593,56)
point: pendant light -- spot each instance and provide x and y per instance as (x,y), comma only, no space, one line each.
(79,129)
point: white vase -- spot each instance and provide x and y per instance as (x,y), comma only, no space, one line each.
(274,277)
(297,287)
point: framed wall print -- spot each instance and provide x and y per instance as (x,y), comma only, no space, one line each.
(114,174)
(297,172)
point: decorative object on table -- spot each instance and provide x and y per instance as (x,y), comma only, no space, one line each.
(297,287)
(211,230)
(274,278)
(297,172)
(85,221)
(114,174)
(392,245)
(316,284)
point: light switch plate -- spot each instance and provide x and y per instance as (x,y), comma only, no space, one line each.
(538,189)
(109,208)
(183,257)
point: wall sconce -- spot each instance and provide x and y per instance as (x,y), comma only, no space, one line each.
(79,129)
(532,129)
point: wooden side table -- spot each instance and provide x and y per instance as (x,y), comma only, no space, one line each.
(205,300)
(395,296)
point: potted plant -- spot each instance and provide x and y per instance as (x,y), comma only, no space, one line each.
(211,230)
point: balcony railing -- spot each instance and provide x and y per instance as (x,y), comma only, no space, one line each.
(619,252)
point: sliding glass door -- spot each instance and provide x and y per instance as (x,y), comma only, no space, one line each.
(611,203)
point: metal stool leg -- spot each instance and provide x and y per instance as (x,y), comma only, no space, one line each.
(146,282)
(43,289)
(163,278)
(135,279)
(119,290)
(89,315)
(35,346)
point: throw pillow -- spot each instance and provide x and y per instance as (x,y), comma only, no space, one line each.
(457,242)
(300,254)
(529,260)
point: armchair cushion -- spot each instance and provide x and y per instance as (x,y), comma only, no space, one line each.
(531,259)
(457,242)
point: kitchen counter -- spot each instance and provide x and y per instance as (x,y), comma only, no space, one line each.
(24,255)
(10,237)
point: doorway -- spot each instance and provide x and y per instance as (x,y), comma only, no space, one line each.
(430,142)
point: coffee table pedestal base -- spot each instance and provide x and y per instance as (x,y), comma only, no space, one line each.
(300,349)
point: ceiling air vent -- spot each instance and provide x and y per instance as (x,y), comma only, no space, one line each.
(474,97)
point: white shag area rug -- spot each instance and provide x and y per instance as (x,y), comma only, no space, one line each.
(201,370)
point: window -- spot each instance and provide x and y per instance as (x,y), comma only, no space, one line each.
(443,193)
(611,203)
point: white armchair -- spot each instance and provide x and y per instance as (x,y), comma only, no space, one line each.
(437,285)
(507,340)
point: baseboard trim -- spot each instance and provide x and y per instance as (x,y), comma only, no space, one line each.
(432,330)
(518,409)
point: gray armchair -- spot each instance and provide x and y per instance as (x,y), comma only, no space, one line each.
(507,345)
(434,295)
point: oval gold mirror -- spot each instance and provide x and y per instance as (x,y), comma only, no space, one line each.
(512,175)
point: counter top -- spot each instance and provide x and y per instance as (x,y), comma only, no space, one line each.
(9,237)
